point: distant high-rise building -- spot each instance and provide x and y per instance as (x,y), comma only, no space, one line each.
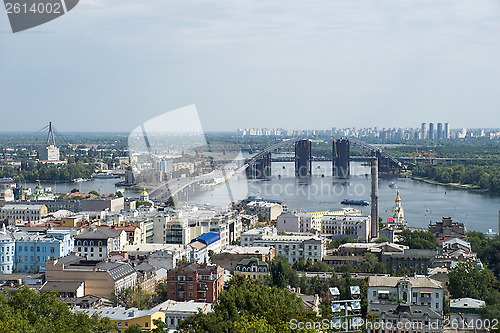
(446,130)
(423,131)
(431,131)
(440,131)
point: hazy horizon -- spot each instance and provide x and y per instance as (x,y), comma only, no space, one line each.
(309,64)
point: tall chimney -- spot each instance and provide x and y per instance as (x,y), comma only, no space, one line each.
(374,203)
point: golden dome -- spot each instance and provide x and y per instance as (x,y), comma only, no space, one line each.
(144,193)
(398,199)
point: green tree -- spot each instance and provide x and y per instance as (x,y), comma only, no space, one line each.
(30,312)
(467,280)
(136,328)
(418,239)
(248,306)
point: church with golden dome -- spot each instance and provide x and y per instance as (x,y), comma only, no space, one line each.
(398,215)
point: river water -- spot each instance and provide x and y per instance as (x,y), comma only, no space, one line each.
(421,202)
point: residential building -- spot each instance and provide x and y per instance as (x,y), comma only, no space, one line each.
(6,194)
(125,318)
(294,222)
(465,312)
(411,260)
(268,210)
(359,249)
(7,251)
(419,290)
(175,311)
(339,226)
(232,255)
(97,244)
(66,289)
(447,229)
(293,247)
(201,246)
(101,279)
(30,213)
(252,268)
(316,214)
(34,249)
(249,236)
(406,318)
(197,282)
(112,204)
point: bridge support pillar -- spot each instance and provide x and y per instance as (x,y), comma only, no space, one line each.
(374,198)
(341,166)
(260,168)
(303,158)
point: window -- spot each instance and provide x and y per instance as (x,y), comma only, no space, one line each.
(38,248)
(190,286)
(85,249)
(80,249)
(26,248)
(31,248)
(100,249)
(437,295)
(191,295)
(52,249)
(126,324)
(119,324)
(91,249)
(172,286)
(146,324)
(437,305)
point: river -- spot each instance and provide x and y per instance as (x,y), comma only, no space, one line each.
(421,202)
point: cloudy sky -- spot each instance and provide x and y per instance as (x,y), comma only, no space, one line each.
(110,65)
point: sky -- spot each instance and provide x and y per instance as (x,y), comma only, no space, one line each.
(112,65)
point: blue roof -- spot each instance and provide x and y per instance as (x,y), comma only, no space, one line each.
(208,238)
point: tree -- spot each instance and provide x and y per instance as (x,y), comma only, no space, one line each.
(119,194)
(418,239)
(75,190)
(94,192)
(250,306)
(467,280)
(136,328)
(28,311)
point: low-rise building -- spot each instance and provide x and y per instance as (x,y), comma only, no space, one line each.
(101,279)
(415,261)
(30,213)
(406,318)
(197,282)
(465,312)
(125,318)
(252,268)
(419,290)
(268,210)
(97,244)
(447,229)
(232,255)
(338,226)
(33,250)
(175,312)
(294,222)
(112,204)
(203,246)
(295,247)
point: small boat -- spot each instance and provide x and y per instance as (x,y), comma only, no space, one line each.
(393,185)
(355,202)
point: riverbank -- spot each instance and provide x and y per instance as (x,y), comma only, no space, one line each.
(451,185)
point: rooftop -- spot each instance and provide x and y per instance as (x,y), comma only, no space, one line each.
(392,281)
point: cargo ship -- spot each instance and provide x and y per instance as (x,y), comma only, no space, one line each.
(355,202)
